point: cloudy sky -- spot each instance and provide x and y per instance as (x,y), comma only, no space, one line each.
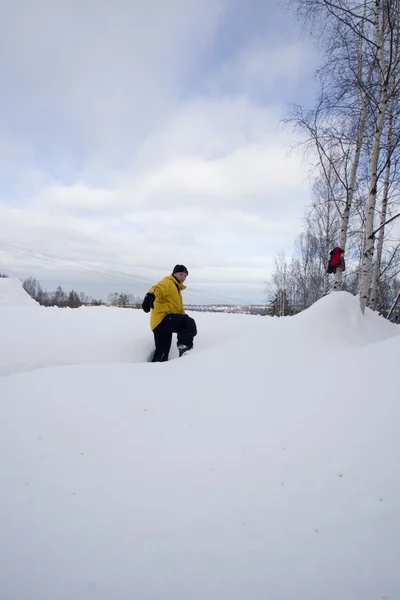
(136,134)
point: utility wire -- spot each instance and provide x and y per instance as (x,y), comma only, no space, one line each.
(52,258)
(123,276)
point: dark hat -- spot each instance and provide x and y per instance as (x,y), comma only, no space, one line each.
(180,269)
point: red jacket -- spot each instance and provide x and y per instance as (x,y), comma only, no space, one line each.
(336,257)
(336,260)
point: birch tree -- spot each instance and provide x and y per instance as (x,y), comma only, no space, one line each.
(323,219)
(384,211)
(281,281)
(395,302)
(380,24)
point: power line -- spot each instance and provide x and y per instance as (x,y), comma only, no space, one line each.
(84,266)
(123,276)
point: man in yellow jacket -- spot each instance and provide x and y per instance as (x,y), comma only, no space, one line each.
(164,300)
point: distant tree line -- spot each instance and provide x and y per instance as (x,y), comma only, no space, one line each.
(123,299)
(73,299)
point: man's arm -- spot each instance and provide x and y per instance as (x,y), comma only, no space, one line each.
(157,291)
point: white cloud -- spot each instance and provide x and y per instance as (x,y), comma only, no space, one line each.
(265,67)
(261,174)
(97,74)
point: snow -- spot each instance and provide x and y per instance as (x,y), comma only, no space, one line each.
(13,294)
(262,465)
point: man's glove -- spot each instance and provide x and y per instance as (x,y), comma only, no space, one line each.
(148,302)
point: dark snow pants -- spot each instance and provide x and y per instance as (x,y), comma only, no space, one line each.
(183,325)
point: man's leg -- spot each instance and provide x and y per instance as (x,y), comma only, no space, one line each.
(187,332)
(184,326)
(162,340)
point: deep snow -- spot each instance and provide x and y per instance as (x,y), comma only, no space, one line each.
(13,294)
(262,465)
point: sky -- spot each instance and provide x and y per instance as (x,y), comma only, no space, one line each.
(138,135)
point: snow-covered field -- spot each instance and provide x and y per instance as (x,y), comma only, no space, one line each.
(263,465)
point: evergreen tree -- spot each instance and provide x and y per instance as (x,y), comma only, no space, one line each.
(73,300)
(280,306)
(60,297)
(123,300)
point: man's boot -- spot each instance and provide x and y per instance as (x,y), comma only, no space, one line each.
(182,349)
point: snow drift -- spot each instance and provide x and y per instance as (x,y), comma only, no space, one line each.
(262,465)
(13,294)
(337,317)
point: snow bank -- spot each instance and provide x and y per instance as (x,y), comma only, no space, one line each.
(338,318)
(13,294)
(331,325)
(34,339)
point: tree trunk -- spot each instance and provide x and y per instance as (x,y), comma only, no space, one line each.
(385,194)
(393,306)
(327,247)
(374,159)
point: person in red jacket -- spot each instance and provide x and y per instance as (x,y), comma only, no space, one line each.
(336,260)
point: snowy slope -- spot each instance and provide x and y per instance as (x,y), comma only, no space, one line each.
(336,318)
(13,294)
(241,471)
(53,336)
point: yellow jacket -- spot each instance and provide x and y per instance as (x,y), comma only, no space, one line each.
(168,299)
